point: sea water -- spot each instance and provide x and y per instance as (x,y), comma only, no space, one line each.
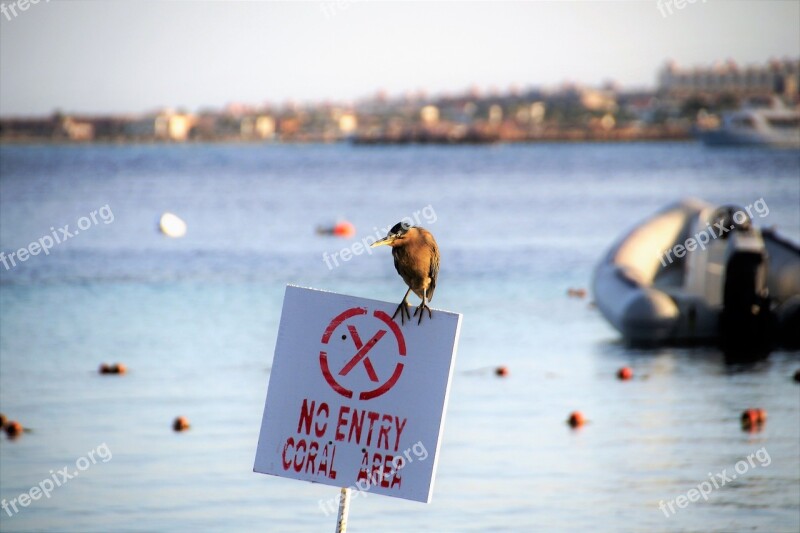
(195,321)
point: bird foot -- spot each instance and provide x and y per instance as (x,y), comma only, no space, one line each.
(421,311)
(404,312)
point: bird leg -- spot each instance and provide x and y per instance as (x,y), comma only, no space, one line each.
(403,309)
(422,307)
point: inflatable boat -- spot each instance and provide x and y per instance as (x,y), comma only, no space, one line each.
(695,273)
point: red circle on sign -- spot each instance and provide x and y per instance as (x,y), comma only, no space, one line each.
(362,354)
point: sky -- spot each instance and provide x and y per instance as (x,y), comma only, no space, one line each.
(120,56)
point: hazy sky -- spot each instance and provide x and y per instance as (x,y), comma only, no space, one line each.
(133,56)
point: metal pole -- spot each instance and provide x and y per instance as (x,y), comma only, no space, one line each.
(344,509)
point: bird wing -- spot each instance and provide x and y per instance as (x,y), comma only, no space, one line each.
(434,271)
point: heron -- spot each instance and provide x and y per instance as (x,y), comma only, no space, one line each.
(416,259)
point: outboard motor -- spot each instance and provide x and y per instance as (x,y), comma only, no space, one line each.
(741,267)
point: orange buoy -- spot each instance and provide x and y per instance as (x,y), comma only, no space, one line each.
(576,293)
(501,371)
(344,229)
(116,368)
(181,424)
(753,419)
(625,373)
(13,429)
(576,419)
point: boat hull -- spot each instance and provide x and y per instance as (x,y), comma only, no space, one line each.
(738,291)
(722,138)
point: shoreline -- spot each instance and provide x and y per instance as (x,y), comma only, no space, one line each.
(364,143)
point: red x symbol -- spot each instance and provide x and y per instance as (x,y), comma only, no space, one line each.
(362,351)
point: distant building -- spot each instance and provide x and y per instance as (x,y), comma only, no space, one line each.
(537,112)
(288,127)
(143,128)
(429,115)
(595,100)
(77,131)
(258,127)
(108,127)
(775,77)
(348,123)
(173,126)
(165,126)
(495,114)
(29,128)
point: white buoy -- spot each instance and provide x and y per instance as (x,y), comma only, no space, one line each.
(172,226)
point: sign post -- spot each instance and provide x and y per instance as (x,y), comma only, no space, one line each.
(344,510)
(355,400)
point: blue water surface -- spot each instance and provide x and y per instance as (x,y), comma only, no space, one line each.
(195,321)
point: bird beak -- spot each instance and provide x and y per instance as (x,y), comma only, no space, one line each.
(385,241)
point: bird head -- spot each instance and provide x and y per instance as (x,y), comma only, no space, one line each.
(395,236)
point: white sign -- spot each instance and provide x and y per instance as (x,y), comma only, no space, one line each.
(354,398)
